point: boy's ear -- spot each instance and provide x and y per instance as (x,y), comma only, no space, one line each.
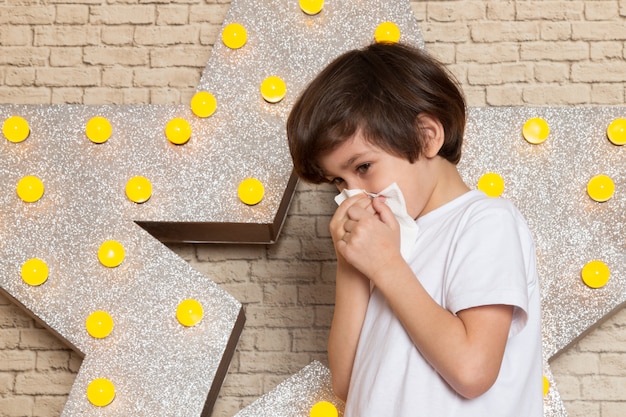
(433,132)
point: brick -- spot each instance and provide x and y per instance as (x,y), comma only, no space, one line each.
(506,95)
(166,35)
(12,317)
(570,94)
(66,77)
(25,15)
(285,271)
(598,31)
(20,77)
(122,14)
(582,409)
(607,94)
(569,387)
(17,360)
(554,51)
(505,32)
(9,338)
(24,95)
(172,15)
(118,35)
(310,340)
(15,36)
(280,317)
(67,96)
(601,10)
(49,383)
(72,14)
(449,11)
(280,294)
(46,406)
(555,31)
(7,380)
(273,340)
(612,50)
(65,36)
(24,56)
(165,77)
(53,360)
(209,34)
(40,339)
(225,252)
(213,14)
(549,10)
(117,77)
(19,406)
(613,364)
(244,293)
(273,362)
(66,57)
(550,72)
(441,32)
(285,248)
(500,10)
(603,388)
(489,54)
(109,55)
(612,409)
(236,385)
(597,72)
(191,56)
(316,294)
(318,250)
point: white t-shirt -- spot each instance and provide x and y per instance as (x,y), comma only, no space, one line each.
(472,251)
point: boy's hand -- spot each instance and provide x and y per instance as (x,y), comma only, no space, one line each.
(366,234)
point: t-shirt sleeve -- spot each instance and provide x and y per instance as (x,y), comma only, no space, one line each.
(487,265)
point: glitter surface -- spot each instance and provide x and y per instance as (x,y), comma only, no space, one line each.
(162,368)
(157,366)
(296,395)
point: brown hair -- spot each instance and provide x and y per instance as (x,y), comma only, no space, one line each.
(378,91)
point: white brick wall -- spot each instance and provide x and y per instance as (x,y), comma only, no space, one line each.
(121,52)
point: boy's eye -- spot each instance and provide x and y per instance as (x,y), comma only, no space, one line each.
(363,167)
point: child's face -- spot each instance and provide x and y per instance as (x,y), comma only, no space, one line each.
(357,164)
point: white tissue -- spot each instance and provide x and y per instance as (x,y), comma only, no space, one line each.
(395,200)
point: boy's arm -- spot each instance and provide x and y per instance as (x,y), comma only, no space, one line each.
(351,298)
(466,349)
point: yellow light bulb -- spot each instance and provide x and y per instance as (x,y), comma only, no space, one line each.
(178,131)
(546,386)
(30,189)
(15,129)
(616,132)
(34,272)
(251,191)
(111,253)
(189,312)
(100,392)
(203,104)
(311,7)
(535,130)
(98,129)
(491,184)
(387,32)
(138,189)
(99,324)
(600,188)
(234,36)
(273,89)
(323,409)
(595,274)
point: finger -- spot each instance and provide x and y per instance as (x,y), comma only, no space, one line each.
(384,211)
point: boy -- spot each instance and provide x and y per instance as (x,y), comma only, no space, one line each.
(452,328)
